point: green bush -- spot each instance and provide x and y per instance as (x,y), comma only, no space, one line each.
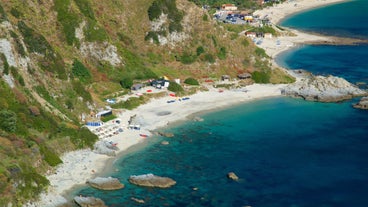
(49,156)
(15,12)
(200,50)
(191,81)
(126,82)
(85,8)
(5,63)
(222,53)
(152,36)
(3,16)
(260,52)
(261,77)
(175,87)
(80,71)
(8,120)
(187,58)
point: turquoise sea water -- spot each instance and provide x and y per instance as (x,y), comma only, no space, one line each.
(287,152)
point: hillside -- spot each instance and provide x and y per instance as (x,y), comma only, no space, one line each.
(60,60)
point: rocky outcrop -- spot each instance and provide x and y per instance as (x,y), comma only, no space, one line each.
(166,134)
(362,104)
(232,176)
(89,202)
(105,147)
(151,180)
(323,89)
(108,183)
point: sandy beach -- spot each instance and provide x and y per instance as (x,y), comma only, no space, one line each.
(78,166)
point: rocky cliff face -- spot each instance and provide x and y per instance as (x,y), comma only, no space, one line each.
(323,89)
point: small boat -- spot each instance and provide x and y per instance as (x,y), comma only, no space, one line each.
(143,135)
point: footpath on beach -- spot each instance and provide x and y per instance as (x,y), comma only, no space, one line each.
(79,166)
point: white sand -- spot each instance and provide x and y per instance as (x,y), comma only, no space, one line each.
(81,165)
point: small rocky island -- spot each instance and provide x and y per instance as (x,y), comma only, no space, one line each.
(151,180)
(362,104)
(323,89)
(89,202)
(108,183)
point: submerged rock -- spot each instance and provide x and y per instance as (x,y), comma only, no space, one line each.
(108,183)
(323,89)
(166,134)
(151,180)
(362,104)
(232,176)
(89,202)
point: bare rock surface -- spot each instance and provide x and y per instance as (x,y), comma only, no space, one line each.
(107,183)
(89,202)
(362,104)
(151,180)
(323,89)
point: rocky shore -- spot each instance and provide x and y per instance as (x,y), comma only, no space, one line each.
(108,183)
(89,202)
(151,180)
(323,89)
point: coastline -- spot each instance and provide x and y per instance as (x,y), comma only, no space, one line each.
(78,166)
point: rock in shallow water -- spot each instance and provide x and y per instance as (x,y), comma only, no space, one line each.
(232,176)
(323,89)
(89,202)
(363,103)
(108,183)
(151,180)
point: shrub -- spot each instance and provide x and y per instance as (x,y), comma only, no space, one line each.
(209,58)
(187,58)
(261,77)
(175,87)
(191,81)
(152,36)
(260,52)
(3,16)
(126,82)
(8,120)
(15,12)
(85,8)
(49,156)
(80,71)
(200,50)
(222,53)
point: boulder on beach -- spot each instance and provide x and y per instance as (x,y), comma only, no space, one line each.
(362,104)
(232,176)
(151,180)
(89,201)
(107,183)
(103,147)
(323,89)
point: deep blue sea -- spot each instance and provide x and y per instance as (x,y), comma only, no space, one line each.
(287,152)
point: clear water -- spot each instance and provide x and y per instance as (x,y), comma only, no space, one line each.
(287,152)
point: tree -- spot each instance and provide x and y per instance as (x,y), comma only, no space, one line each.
(8,120)
(126,82)
(191,81)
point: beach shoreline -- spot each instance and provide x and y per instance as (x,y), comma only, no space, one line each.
(78,166)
